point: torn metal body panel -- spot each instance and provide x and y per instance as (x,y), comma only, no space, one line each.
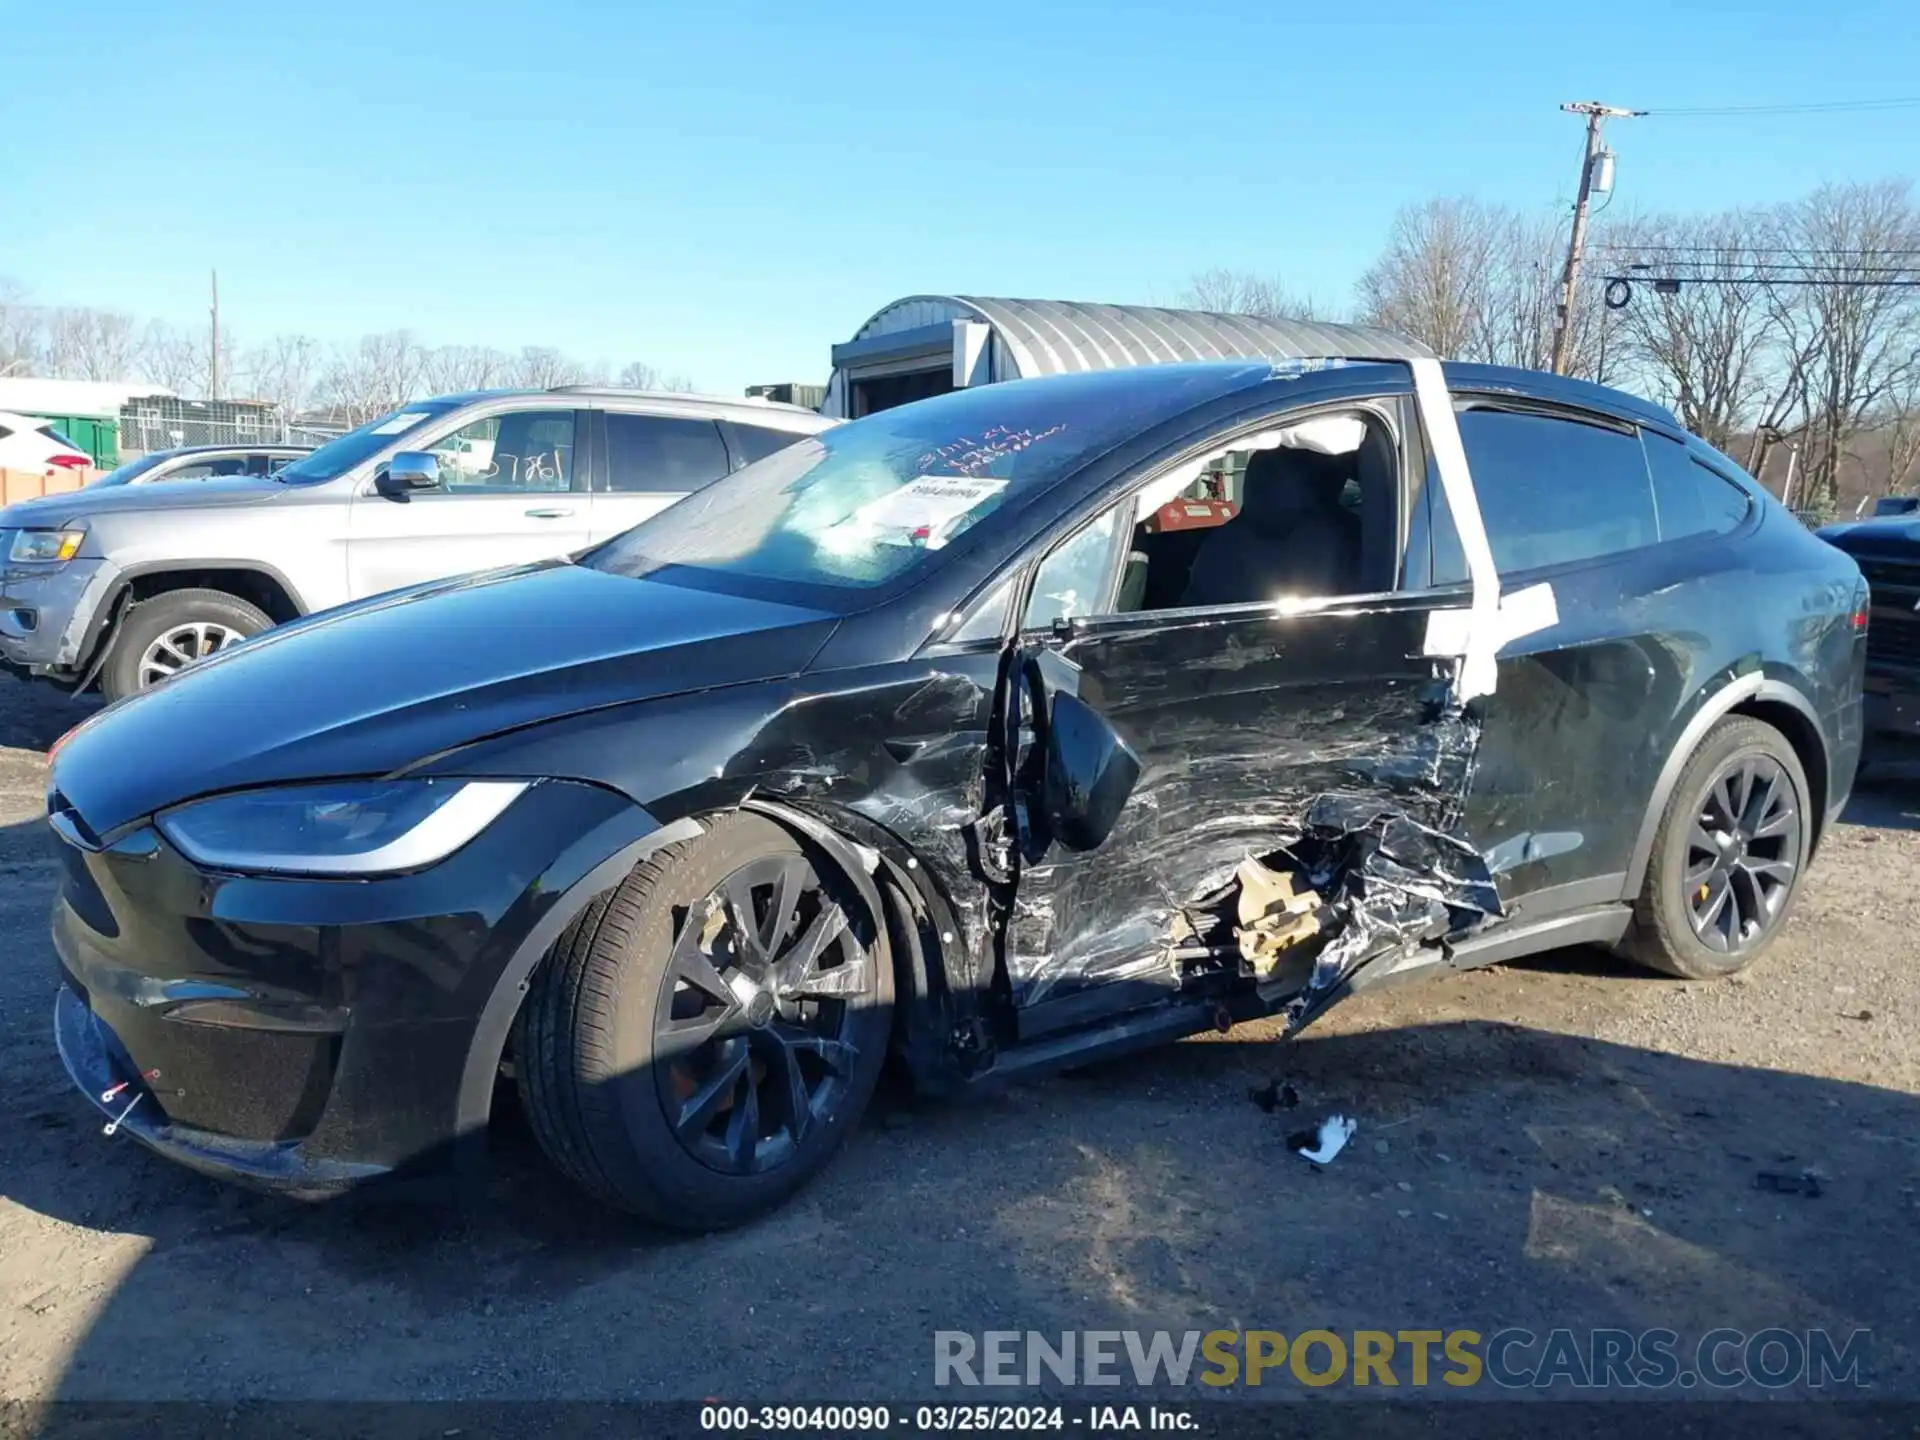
(1242,726)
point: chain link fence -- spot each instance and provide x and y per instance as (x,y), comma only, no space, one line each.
(166,423)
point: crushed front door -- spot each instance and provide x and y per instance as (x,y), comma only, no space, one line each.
(1332,745)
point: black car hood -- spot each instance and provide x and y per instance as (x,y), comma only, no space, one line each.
(1881,532)
(374,687)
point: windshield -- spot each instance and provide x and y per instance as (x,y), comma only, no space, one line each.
(869,503)
(130,471)
(336,457)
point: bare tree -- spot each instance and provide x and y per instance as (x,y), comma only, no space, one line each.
(1899,425)
(1478,282)
(1862,339)
(286,370)
(1241,292)
(1430,282)
(1518,297)
(381,373)
(638,375)
(541,367)
(1709,350)
(21,344)
(86,344)
(465,367)
(174,359)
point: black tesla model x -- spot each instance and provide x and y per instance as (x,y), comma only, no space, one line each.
(1011,727)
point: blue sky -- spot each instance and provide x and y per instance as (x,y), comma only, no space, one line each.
(728,189)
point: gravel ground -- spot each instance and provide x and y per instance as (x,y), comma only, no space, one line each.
(1566,1142)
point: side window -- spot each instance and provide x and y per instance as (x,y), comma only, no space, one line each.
(987,618)
(199,470)
(662,453)
(1552,490)
(1073,579)
(756,442)
(1690,498)
(521,452)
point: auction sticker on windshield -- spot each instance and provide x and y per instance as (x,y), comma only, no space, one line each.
(928,503)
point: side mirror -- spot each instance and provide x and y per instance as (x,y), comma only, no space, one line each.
(411,470)
(1090,773)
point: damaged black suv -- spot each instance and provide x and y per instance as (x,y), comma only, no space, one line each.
(1008,728)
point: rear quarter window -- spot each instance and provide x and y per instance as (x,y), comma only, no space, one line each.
(1690,498)
(1553,490)
(756,442)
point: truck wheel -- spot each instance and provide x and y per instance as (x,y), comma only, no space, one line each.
(1726,865)
(160,637)
(702,1039)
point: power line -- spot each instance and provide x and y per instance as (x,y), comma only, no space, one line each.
(1660,248)
(1778,268)
(1819,107)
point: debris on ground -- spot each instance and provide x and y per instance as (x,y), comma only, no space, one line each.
(1806,1183)
(1275,1095)
(1319,1146)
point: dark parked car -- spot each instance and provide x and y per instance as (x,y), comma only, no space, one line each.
(1887,549)
(984,731)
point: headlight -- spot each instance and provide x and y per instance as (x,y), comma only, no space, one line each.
(45,547)
(358,828)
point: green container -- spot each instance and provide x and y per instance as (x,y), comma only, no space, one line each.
(99,438)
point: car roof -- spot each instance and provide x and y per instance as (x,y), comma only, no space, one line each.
(743,407)
(1316,371)
(1562,389)
(250,447)
(748,410)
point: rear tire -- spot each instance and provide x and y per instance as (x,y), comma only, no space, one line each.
(170,632)
(1729,856)
(645,1010)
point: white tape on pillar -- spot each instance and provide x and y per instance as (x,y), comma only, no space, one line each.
(1479,671)
(1522,612)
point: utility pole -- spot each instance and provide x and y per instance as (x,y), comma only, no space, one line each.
(1597,115)
(213,341)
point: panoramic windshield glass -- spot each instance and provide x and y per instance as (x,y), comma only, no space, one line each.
(336,457)
(864,504)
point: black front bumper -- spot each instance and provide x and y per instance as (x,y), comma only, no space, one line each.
(98,1065)
(1893,709)
(310,1036)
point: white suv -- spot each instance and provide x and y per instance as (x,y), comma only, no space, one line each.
(35,446)
(128,584)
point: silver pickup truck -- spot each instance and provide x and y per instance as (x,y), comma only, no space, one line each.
(124,585)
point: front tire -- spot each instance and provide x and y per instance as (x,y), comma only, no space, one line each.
(1727,862)
(160,637)
(703,1038)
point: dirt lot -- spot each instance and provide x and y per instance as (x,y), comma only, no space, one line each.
(1563,1143)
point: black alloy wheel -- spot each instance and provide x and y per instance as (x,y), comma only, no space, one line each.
(1743,854)
(753,1039)
(705,1036)
(1729,849)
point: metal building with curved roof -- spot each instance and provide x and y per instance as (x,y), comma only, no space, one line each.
(929,344)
